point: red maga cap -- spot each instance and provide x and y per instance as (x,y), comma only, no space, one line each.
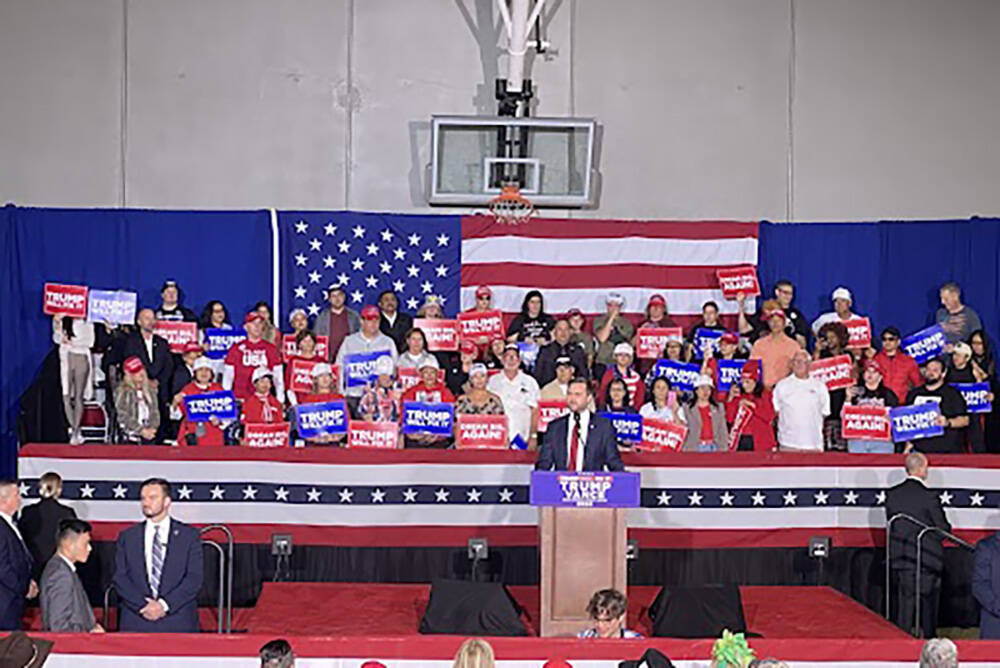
(484,291)
(133,365)
(369,313)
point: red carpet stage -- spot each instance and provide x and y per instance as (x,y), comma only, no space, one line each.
(342,625)
(395,610)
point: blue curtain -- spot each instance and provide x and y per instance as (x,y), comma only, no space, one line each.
(222,255)
(893,268)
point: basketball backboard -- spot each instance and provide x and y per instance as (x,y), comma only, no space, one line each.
(550,159)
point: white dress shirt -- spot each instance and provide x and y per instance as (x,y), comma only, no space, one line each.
(148,342)
(164,528)
(520,397)
(584,426)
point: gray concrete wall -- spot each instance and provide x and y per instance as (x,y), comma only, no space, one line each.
(776,109)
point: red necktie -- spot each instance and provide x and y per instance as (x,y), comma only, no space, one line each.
(574,442)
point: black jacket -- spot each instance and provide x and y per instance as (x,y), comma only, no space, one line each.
(545,365)
(914,498)
(15,576)
(180,377)
(160,367)
(38,524)
(396,332)
(600,449)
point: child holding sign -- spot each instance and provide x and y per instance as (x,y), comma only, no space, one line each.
(200,433)
(261,407)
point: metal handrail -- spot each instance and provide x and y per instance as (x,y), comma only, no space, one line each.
(920,538)
(230,548)
(107,606)
(888,548)
(222,579)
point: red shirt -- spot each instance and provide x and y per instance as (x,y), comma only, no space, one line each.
(338,331)
(262,410)
(244,357)
(899,373)
(761,426)
(707,435)
(213,435)
(320,398)
(437,394)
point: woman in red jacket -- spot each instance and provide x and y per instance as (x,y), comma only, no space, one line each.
(750,395)
(262,407)
(324,390)
(199,433)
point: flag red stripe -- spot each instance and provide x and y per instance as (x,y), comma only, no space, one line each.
(481,227)
(543,276)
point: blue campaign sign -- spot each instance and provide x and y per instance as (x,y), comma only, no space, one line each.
(113,306)
(529,353)
(359,368)
(912,422)
(428,418)
(729,371)
(219,340)
(976,396)
(925,344)
(628,426)
(680,374)
(201,407)
(585,490)
(329,417)
(704,338)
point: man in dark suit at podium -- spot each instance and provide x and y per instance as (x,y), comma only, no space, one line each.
(914,498)
(580,440)
(158,568)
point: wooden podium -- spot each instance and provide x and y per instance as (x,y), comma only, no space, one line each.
(582,541)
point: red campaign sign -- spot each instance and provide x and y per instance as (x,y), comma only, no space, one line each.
(382,435)
(860,331)
(660,435)
(481,326)
(743,416)
(410,376)
(735,280)
(549,410)
(482,432)
(441,334)
(289,348)
(302,380)
(177,333)
(835,372)
(69,300)
(259,435)
(870,423)
(652,340)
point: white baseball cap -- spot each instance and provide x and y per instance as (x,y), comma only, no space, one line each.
(384,366)
(260,372)
(296,311)
(962,348)
(704,380)
(203,363)
(478,367)
(624,348)
(320,369)
(430,361)
(614,298)
(842,293)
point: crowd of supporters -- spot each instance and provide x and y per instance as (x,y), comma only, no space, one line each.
(776,400)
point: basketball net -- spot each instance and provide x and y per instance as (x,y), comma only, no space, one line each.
(510,207)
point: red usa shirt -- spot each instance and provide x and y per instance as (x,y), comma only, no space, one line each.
(244,357)
(435,395)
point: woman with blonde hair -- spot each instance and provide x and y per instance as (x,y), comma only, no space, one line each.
(136,404)
(474,653)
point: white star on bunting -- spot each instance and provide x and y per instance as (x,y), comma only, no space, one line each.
(790,498)
(663,499)
(346,495)
(821,497)
(313,495)
(377,496)
(880,498)
(473,495)
(281,494)
(976,499)
(184,492)
(851,497)
(506,495)
(249,492)
(409,495)
(758,498)
(86,492)
(694,499)
(945,497)
(726,498)
(119,491)
(441,496)
(217,493)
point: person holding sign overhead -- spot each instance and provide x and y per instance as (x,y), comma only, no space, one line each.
(775,350)
(580,440)
(610,329)
(954,414)
(199,433)
(842,301)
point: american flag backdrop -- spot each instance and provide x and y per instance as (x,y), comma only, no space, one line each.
(575,263)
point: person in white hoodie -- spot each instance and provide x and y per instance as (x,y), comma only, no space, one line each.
(75,338)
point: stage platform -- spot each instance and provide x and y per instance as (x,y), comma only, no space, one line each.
(343,625)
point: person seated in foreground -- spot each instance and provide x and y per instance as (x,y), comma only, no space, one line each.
(277,654)
(607,608)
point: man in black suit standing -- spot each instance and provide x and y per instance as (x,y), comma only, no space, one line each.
(580,440)
(392,322)
(16,565)
(158,568)
(39,522)
(914,498)
(154,351)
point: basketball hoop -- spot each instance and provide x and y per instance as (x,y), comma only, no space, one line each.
(510,207)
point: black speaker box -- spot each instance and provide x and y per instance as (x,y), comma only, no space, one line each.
(461,607)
